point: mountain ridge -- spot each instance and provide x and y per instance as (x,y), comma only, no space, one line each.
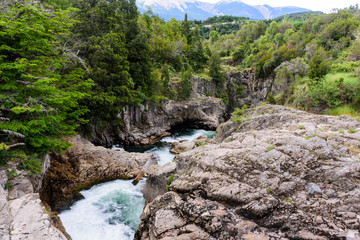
(198,10)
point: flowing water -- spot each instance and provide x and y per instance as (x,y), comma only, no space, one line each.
(112,210)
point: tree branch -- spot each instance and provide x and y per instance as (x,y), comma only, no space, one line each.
(12,133)
(16,145)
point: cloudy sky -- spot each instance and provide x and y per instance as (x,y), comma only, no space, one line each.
(316,5)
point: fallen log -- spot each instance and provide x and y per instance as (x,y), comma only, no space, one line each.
(154,159)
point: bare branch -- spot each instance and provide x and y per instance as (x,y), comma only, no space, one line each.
(12,133)
(25,82)
(16,145)
(4,119)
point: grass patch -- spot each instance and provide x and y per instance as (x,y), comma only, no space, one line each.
(203,75)
(351,130)
(270,148)
(349,78)
(344,110)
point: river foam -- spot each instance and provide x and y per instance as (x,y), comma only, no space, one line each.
(109,211)
(112,210)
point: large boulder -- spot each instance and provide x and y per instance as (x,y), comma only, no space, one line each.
(277,173)
(84,165)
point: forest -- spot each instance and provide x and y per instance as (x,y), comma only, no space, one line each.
(69,65)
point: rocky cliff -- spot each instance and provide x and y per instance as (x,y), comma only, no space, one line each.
(239,88)
(149,122)
(274,173)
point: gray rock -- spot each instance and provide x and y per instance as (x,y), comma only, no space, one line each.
(149,123)
(30,221)
(313,189)
(4,211)
(84,165)
(254,181)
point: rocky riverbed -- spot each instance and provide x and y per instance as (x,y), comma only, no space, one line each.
(275,173)
(278,173)
(84,165)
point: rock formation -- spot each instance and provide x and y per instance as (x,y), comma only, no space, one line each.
(84,165)
(148,123)
(274,173)
(22,215)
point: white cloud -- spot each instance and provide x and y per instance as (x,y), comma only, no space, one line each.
(316,5)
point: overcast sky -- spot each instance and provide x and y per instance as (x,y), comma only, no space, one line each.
(316,5)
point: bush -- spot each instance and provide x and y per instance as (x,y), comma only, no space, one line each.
(318,65)
(237,115)
(324,95)
(344,67)
(32,163)
(5,156)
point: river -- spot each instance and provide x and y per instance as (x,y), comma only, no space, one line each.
(112,210)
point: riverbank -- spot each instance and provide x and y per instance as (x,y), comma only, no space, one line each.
(272,173)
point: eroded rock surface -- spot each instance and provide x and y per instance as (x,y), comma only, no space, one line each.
(84,165)
(279,173)
(150,122)
(22,215)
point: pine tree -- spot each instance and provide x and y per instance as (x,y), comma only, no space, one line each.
(215,69)
(36,101)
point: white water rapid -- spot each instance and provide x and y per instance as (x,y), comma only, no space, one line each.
(111,211)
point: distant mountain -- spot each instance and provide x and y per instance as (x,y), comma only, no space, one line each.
(200,10)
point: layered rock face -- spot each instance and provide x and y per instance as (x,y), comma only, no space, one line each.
(242,88)
(84,165)
(148,123)
(278,173)
(22,215)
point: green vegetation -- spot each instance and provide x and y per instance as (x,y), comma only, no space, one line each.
(351,130)
(268,149)
(171,179)
(10,176)
(200,144)
(237,116)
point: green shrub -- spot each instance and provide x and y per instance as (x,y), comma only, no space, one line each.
(10,176)
(5,155)
(351,130)
(236,116)
(32,163)
(344,67)
(270,99)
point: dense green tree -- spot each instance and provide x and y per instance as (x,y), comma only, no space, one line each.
(165,78)
(214,36)
(196,52)
(318,65)
(186,29)
(185,85)
(216,71)
(37,101)
(273,29)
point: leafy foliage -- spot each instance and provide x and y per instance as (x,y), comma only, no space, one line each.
(41,103)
